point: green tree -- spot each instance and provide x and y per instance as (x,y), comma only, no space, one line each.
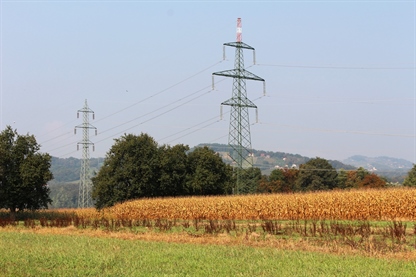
(207,173)
(410,180)
(342,179)
(316,174)
(24,173)
(277,175)
(137,167)
(130,171)
(173,167)
(250,180)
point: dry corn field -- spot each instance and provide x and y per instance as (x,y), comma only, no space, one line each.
(385,204)
(318,217)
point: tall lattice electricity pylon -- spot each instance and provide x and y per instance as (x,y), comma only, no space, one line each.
(239,138)
(85,186)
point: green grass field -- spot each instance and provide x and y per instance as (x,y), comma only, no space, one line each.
(30,254)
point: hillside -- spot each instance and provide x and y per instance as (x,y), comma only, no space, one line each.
(68,169)
(65,184)
(379,163)
(392,169)
(268,160)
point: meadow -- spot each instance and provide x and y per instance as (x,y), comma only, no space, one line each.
(31,254)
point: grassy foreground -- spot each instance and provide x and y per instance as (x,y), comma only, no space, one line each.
(30,254)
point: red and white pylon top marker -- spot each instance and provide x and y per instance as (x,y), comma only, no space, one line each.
(239,30)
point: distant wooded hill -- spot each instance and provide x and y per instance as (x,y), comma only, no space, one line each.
(267,161)
(392,169)
(68,169)
(379,163)
(65,185)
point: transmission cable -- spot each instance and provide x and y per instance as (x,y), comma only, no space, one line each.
(61,135)
(160,92)
(143,115)
(340,131)
(338,67)
(57,128)
(203,126)
(136,103)
(196,130)
(156,116)
(189,128)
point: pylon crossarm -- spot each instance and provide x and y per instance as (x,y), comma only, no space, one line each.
(88,126)
(85,143)
(239,45)
(240,74)
(245,102)
(85,110)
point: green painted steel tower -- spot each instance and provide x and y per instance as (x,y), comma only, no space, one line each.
(85,186)
(239,138)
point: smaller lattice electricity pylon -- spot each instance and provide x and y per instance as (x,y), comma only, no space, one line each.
(239,138)
(85,186)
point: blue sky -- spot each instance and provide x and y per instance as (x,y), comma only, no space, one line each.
(340,75)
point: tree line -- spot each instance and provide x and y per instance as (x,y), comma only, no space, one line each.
(317,175)
(137,167)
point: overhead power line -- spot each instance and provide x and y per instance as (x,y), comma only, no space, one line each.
(203,127)
(158,109)
(135,103)
(159,92)
(61,135)
(57,128)
(154,117)
(341,131)
(62,146)
(340,67)
(205,121)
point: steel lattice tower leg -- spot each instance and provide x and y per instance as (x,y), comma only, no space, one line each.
(85,186)
(239,138)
